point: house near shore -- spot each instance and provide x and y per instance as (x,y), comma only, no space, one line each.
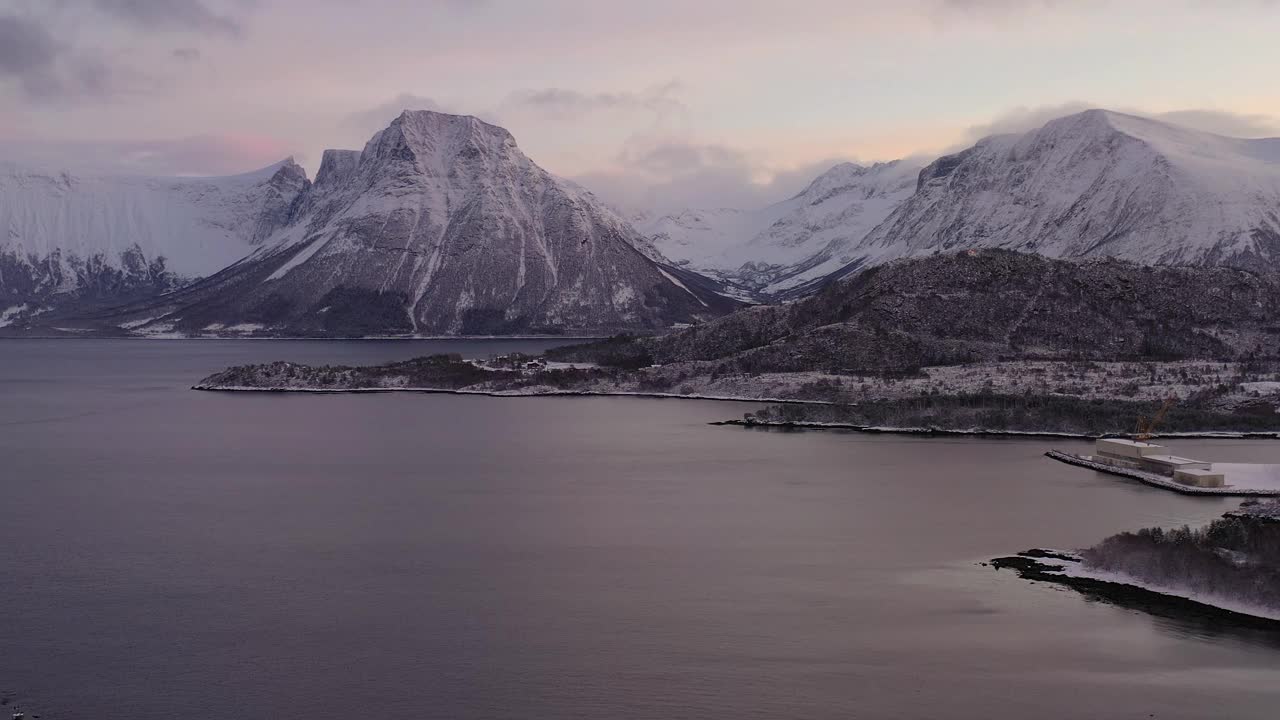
(1153,458)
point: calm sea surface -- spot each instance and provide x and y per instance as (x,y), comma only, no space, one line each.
(166,553)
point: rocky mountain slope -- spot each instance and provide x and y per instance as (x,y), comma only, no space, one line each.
(984,306)
(441,225)
(1093,184)
(783,246)
(66,238)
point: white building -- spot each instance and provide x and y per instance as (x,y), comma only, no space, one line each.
(1152,458)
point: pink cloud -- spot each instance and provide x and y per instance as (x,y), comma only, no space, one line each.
(209,154)
(214,154)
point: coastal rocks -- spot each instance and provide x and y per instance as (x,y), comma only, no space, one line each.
(1228,570)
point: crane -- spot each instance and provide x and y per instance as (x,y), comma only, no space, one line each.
(1147,426)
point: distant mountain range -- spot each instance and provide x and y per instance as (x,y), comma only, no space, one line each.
(1093,184)
(441,225)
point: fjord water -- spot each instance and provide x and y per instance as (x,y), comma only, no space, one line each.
(166,553)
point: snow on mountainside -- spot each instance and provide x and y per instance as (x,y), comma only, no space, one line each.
(695,237)
(791,242)
(69,236)
(441,225)
(1097,183)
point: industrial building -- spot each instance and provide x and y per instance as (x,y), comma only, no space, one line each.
(1124,449)
(1199,478)
(1152,458)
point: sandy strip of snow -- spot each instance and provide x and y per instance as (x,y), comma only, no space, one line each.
(300,257)
(130,325)
(681,285)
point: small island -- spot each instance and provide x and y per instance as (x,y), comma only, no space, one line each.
(1229,569)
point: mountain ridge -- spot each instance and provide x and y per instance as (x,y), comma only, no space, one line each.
(71,241)
(1097,183)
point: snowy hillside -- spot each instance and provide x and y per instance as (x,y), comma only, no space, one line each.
(64,235)
(791,242)
(441,225)
(1096,183)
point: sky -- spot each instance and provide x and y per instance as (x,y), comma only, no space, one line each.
(656,104)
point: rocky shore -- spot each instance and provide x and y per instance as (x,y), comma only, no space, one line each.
(1228,570)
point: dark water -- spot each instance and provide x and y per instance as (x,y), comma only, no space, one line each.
(172,554)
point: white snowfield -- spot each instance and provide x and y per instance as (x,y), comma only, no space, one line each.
(199,225)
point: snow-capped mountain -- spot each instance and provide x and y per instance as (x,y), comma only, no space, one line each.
(1097,183)
(441,225)
(792,242)
(65,236)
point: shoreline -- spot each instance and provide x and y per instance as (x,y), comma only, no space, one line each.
(361,338)
(788,425)
(978,432)
(501,393)
(1065,568)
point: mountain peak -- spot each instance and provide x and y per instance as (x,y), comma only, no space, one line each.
(336,166)
(1195,151)
(429,123)
(842,176)
(1096,183)
(436,142)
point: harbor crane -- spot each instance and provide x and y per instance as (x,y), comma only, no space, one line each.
(1147,426)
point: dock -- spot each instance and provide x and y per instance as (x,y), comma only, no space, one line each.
(1160,481)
